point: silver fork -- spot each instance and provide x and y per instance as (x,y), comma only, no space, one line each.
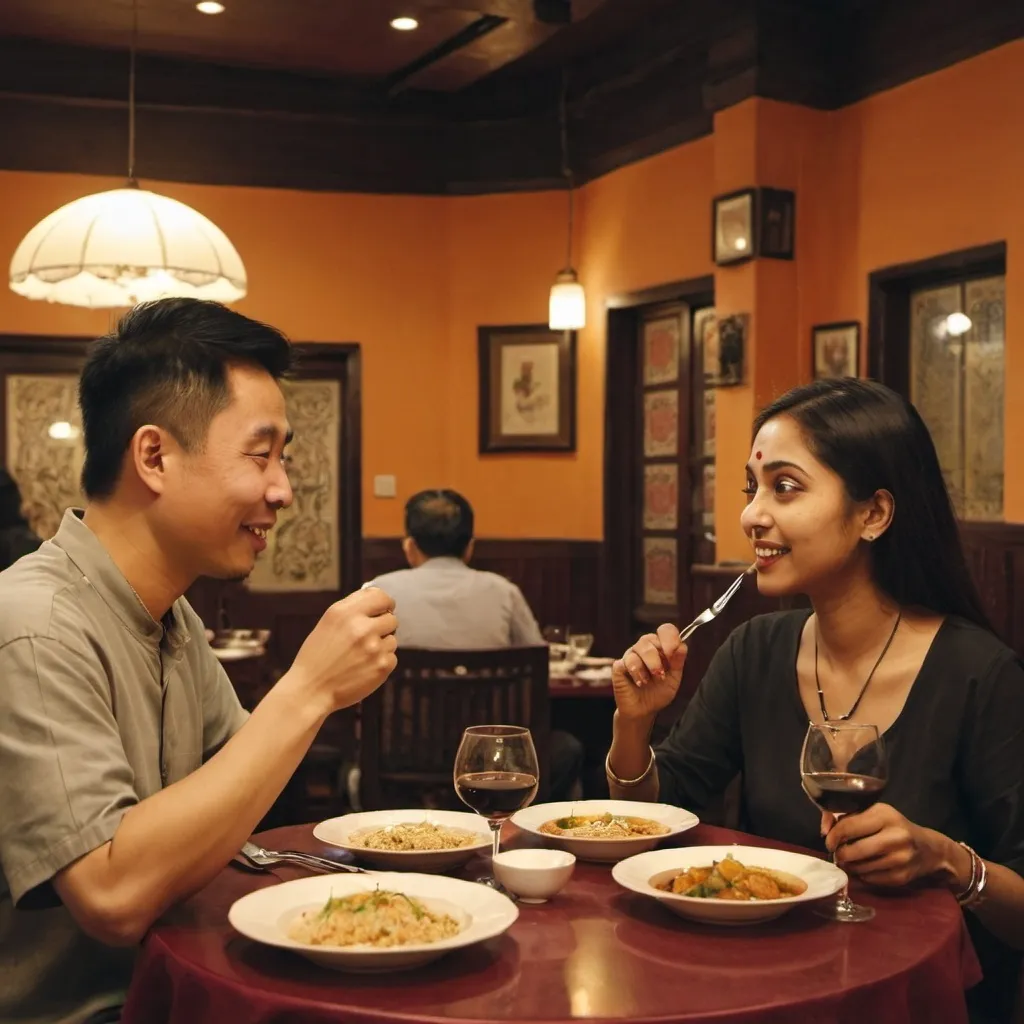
(716,609)
(261,858)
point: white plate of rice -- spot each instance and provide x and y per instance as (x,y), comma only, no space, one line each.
(380,922)
(409,840)
(622,828)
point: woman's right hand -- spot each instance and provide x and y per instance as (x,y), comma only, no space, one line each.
(646,678)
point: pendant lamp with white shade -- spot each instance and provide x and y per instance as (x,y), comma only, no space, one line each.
(126,246)
(567,302)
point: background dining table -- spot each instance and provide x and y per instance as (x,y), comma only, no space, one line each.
(593,953)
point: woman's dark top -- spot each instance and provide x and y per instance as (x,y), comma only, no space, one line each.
(956,753)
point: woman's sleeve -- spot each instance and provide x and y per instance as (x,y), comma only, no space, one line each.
(992,771)
(703,752)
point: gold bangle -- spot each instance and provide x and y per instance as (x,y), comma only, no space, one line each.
(628,783)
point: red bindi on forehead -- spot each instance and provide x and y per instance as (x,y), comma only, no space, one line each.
(757,455)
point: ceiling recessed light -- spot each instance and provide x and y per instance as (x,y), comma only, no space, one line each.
(210,7)
(404,24)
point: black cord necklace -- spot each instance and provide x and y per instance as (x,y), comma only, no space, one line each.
(863,689)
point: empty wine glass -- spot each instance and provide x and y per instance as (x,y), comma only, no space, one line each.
(496,774)
(844,769)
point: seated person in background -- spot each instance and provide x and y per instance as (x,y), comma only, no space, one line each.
(847,504)
(129,773)
(443,604)
(17,538)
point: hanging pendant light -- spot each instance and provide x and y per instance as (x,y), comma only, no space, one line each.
(567,303)
(127,245)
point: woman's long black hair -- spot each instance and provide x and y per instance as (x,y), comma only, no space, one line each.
(874,439)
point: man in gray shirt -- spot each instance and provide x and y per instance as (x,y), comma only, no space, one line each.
(129,774)
(443,604)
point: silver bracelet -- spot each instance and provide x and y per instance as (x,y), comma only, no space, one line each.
(628,783)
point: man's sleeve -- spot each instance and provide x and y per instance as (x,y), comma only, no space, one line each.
(65,781)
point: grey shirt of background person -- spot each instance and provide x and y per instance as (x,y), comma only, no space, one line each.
(100,707)
(444,604)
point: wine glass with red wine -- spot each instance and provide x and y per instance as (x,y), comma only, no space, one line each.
(844,769)
(496,775)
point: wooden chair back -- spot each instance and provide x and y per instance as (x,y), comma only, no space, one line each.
(413,724)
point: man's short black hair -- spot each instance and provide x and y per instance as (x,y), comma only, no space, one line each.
(440,521)
(166,363)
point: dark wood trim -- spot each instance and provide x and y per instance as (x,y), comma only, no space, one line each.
(622,371)
(657,86)
(889,291)
(323,359)
(692,290)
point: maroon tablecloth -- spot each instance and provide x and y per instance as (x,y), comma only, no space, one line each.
(595,952)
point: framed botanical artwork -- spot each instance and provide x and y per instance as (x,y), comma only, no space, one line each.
(836,349)
(661,496)
(661,350)
(660,570)
(661,423)
(527,389)
(733,227)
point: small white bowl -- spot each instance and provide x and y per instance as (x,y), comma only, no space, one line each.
(534,875)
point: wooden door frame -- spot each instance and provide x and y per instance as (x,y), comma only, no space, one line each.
(621,494)
(22,353)
(889,304)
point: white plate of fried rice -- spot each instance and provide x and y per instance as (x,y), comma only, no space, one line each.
(378,922)
(409,840)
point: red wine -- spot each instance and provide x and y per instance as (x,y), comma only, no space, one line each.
(496,794)
(841,792)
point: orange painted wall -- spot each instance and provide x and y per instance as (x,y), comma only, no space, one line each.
(941,161)
(323,267)
(923,169)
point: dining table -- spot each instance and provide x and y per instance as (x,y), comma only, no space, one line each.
(593,953)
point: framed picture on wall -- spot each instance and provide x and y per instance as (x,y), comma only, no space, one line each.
(732,343)
(527,389)
(836,349)
(733,227)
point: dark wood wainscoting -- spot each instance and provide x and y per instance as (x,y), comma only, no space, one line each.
(995,554)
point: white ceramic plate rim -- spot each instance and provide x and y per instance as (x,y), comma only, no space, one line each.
(466,821)
(634,873)
(499,912)
(675,818)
